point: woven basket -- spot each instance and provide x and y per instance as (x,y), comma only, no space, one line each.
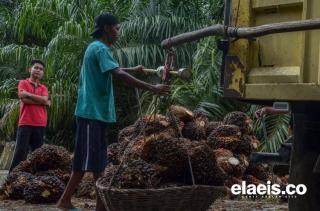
(185,198)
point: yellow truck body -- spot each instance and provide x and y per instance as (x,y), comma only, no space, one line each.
(276,67)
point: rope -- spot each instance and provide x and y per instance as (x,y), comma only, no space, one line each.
(129,146)
(181,136)
(168,66)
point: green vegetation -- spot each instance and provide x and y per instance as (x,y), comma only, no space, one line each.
(57,31)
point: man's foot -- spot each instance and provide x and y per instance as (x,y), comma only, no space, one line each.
(66,206)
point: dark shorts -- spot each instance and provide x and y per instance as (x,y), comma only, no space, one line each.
(90,152)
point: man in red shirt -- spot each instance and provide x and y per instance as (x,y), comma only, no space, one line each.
(33,113)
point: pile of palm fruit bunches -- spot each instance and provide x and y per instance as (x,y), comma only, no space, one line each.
(151,153)
(43,176)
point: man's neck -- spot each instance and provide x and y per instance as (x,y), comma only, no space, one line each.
(34,80)
(105,41)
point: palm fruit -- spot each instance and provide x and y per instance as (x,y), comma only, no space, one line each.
(226,131)
(203,164)
(250,179)
(128,133)
(223,167)
(230,142)
(113,151)
(260,170)
(137,146)
(175,123)
(64,176)
(86,188)
(212,126)
(44,189)
(170,153)
(16,183)
(135,150)
(231,181)
(150,124)
(50,157)
(274,179)
(196,128)
(229,164)
(242,120)
(240,168)
(133,174)
(253,140)
(24,166)
(247,145)
(244,160)
(181,113)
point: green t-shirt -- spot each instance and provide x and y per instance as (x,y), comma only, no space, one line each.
(95,92)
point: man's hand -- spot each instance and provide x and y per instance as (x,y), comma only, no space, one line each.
(24,94)
(138,69)
(161,89)
(259,113)
(48,103)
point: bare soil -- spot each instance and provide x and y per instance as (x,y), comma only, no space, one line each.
(87,204)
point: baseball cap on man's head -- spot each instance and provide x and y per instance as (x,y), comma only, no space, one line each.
(101,20)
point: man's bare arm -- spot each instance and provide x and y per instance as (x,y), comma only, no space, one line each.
(134,82)
(36,99)
(137,69)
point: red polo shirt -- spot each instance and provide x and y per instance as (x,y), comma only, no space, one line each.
(32,114)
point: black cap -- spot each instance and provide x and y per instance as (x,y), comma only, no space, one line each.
(104,19)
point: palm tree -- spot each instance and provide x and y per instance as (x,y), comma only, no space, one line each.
(57,31)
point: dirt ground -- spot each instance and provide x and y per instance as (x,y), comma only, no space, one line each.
(219,205)
(20,205)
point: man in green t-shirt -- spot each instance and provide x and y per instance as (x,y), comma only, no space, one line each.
(95,105)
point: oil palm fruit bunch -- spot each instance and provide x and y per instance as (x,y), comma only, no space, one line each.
(133,174)
(44,189)
(212,126)
(231,181)
(196,128)
(113,151)
(250,179)
(128,133)
(24,166)
(50,157)
(170,153)
(203,164)
(181,113)
(225,136)
(64,176)
(150,124)
(226,131)
(86,188)
(229,142)
(247,145)
(229,164)
(260,170)
(15,184)
(241,119)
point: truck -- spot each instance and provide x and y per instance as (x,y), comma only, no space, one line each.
(271,53)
